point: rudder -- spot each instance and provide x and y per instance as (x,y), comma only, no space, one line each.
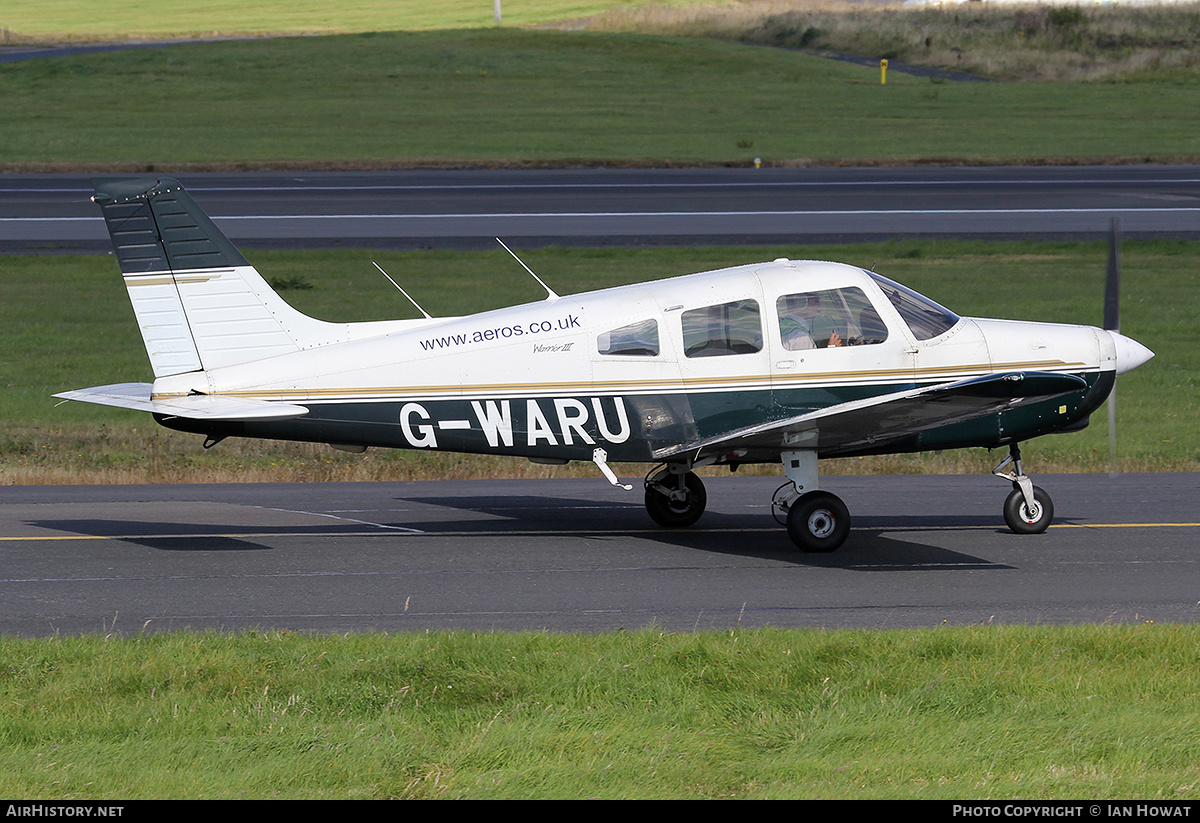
(199,303)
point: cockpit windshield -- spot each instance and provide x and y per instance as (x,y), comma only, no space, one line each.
(925,318)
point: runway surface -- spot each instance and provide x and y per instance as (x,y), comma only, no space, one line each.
(579,555)
(469,208)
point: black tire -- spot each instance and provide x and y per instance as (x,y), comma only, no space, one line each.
(1021,520)
(818,522)
(677,514)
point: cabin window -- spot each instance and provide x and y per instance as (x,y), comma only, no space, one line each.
(829,318)
(637,339)
(727,328)
(925,318)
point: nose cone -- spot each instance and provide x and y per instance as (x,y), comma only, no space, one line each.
(1130,353)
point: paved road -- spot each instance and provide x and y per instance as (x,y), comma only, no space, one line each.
(579,555)
(468,208)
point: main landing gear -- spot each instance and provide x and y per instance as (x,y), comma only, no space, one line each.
(675,496)
(1028,509)
(816,520)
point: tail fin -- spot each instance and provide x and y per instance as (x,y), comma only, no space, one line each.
(199,304)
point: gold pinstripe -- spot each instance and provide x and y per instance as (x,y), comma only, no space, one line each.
(165,278)
(744,382)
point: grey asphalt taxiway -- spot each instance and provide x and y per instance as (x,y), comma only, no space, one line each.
(469,208)
(580,555)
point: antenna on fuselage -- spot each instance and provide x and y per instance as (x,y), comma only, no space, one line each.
(550,295)
(402,291)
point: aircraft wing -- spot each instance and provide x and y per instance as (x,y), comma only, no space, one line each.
(193,406)
(876,421)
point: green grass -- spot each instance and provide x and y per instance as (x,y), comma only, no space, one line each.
(503,96)
(66,20)
(50,344)
(951,713)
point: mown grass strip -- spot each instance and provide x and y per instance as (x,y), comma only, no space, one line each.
(80,20)
(507,96)
(979,712)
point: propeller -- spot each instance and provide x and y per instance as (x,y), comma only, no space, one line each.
(1112,323)
(1128,353)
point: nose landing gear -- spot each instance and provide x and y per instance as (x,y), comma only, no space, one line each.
(1028,508)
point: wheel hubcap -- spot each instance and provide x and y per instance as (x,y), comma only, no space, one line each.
(821,523)
(1031,515)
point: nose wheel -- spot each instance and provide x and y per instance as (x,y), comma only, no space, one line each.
(1024,518)
(1028,509)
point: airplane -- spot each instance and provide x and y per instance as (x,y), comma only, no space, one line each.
(782,362)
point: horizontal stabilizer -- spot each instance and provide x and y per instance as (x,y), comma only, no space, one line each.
(193,406)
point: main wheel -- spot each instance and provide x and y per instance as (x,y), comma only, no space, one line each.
(679,507)
(1025,520)
(818,522)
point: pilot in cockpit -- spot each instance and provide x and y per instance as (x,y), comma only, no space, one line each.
(803,325)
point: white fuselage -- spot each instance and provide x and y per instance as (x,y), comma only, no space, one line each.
(547,376)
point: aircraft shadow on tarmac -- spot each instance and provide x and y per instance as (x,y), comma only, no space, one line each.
(875,543)
(871,545)
(180,536)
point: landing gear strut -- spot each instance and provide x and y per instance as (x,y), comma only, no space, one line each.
(1028,508)
(816,520)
